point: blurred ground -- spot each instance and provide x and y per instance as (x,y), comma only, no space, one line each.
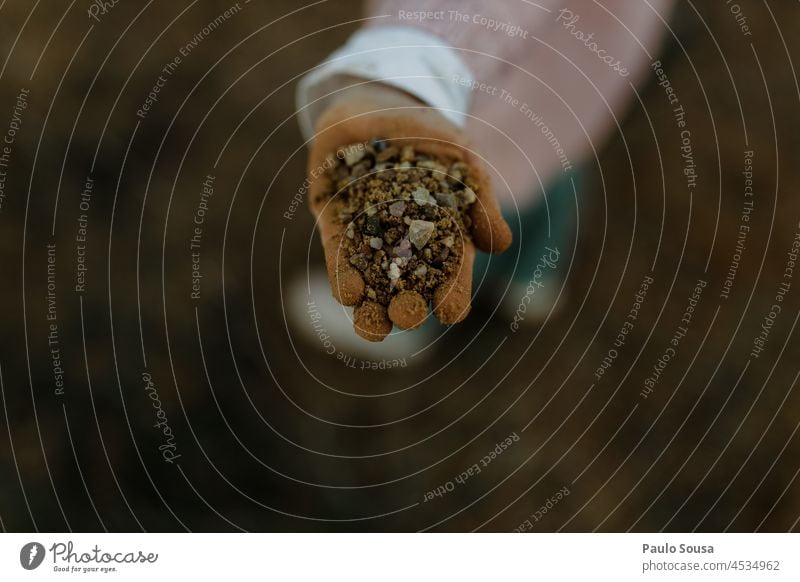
(714,446)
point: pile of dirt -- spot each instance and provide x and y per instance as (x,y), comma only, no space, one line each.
(404,214)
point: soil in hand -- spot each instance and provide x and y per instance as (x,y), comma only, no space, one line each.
(404,215)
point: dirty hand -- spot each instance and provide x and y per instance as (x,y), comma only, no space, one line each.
(371,111)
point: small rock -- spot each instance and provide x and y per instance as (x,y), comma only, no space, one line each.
(421,271)
(469,196)
(354,154)
(446,199)
(376,243)
(373,226)
(419,233)
(441,257)
(360,169)
(403,249)
(457,172)
(448,241)
(435,167)
(387,154)
(371,294)
(455,178)
(378,145)
(422,196)
(371,210)
(359,261)
(397,209)
(394,272)
(350,232)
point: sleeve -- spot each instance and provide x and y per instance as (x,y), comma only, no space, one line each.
(479,29)
(410,59)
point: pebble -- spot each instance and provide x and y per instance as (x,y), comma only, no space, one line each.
(376,243)
(378,145)
(359,261)
(397,209)
(430,213)
(360,169)
(371,294)
(394,271)
(403,249)
(457,172)
(448,241)
(422,196)
(431,165)
(469,196)
(371,210)
(387,154)
(419,233)
(446,199)
(373,226)
(421,271)
(350,232)
(354,154)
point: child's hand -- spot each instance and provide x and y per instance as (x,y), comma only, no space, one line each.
(360,115)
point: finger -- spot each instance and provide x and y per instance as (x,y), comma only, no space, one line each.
(452,299)
(347,284)
(408,310)
(371,321)
(490,231)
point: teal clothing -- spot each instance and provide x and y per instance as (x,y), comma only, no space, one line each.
(549,224)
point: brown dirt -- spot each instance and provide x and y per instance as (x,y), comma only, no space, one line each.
(383,195)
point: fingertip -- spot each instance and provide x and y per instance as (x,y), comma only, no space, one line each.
(451,304)
(408,310)
(452,301)
(490,231)
(371,321)
(347,286)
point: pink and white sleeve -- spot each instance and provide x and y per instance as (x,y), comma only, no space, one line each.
(538,85)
